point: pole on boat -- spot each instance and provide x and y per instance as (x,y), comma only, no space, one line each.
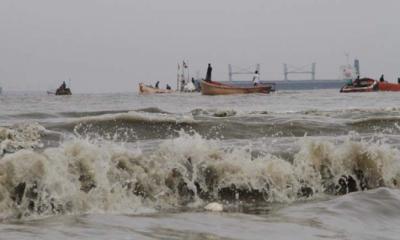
(177,78)
(230,72)
(183,76)
(357,66)
(188,76)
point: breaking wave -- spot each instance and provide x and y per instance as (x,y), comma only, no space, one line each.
(154,123)
(224,123)
(23,136)
(84,176)
(212,124)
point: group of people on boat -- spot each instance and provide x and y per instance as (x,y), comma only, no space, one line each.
(63,86)
(255,80)
(157,86)
(63,89)
(359,83)
(193,85)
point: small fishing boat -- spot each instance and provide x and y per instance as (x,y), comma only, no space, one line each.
(217,88)
(152,90)
(369,85)
(62,90)
(361,85)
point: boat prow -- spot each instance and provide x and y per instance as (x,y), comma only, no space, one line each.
(152,90)
(217,88)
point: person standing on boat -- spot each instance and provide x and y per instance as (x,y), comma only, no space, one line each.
(63,86)
(256,78)
(168,87)
(382,78)
(350,82)
(157,83)
(208,75)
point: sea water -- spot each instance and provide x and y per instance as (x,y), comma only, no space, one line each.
(288,165)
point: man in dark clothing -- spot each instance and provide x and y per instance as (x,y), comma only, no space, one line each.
(157,83)
(382,78)
(63,86)
(168,87)
(355,82)
(209,70)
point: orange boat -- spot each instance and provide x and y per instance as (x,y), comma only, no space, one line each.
(217,88)
(152,90)
(370,85)
(386,86)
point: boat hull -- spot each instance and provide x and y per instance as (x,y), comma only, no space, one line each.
(143,89)
(392,87)
(216,88)
(61,92)
(361,85)
(347,89)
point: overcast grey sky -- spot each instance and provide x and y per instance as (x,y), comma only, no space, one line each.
(111,45)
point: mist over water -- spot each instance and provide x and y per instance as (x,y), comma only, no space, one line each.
(315,164)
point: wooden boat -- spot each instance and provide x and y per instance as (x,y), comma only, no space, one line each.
(369,85)
(152,90)
(217,88)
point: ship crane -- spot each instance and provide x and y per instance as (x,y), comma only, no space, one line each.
(288,69)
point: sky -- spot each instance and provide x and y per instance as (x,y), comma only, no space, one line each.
(112,45)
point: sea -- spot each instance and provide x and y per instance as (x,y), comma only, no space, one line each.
(315,164)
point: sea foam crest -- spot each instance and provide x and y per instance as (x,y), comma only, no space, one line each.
(81,176)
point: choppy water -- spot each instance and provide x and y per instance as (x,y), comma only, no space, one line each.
(289,165)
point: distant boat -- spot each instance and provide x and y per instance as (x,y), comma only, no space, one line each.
(152,90)
(370,85)
(217,88)
(62,90)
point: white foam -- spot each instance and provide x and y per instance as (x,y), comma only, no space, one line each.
(22,136)
(90,177)
(214,207)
